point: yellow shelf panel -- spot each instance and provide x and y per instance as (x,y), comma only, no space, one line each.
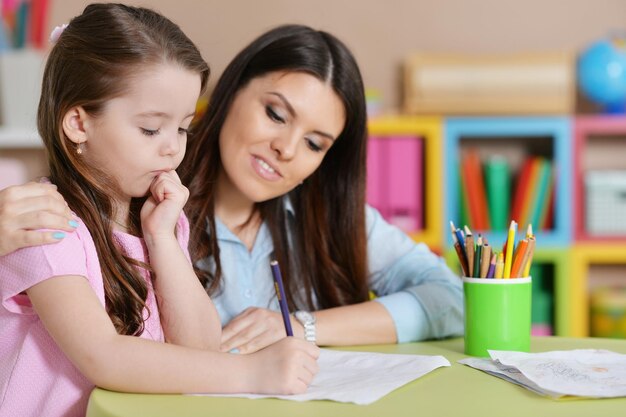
(583,255)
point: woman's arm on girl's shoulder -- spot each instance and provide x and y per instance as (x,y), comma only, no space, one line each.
(26,208)
(77,321)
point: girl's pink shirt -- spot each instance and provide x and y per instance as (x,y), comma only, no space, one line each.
(36,378)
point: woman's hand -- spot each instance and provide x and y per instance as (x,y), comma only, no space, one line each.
(255,329)
(26,208)
(286,367)
(162,209)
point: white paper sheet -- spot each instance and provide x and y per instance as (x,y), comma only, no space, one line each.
(360,377)
(582,372)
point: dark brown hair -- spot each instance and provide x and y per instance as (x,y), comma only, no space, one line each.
(327,248)
(93,61)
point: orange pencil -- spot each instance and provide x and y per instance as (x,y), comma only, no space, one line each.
(518,258)
(529,258)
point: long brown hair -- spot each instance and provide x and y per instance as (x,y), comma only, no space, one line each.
(93,61)
(327,248)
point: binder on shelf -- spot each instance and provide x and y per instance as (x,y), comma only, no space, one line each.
(404,182)
(395,180)
(376,173)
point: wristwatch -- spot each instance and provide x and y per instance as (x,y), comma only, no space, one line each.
(307,320)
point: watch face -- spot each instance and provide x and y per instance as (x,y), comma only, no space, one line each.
(305,317)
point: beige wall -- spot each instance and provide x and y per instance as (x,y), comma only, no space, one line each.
(382,32)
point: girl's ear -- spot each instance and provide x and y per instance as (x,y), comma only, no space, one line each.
(75,123)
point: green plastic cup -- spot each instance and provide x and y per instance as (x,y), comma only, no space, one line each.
(497,315)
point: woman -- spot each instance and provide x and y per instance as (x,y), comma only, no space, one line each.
(276,170)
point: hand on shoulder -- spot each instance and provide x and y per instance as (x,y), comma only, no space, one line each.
(26,208)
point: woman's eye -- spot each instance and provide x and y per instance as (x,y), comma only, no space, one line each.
(149,132)
(183,131)
(273,115)
(313,146)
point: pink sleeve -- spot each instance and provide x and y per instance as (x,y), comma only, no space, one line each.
(26,267)
(182,234)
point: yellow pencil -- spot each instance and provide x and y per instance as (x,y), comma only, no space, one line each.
(529,230)
(499,266)
(510,243)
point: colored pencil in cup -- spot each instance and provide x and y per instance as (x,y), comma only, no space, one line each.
(529,257)
(508,256)
(469,250)
(519,258)
(478,256)
(492,265)
(485,259)
(499,272)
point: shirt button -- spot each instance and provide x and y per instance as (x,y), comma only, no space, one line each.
(248,293)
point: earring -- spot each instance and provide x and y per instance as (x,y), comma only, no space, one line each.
(79,149)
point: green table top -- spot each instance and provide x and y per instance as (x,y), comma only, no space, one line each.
(454,391)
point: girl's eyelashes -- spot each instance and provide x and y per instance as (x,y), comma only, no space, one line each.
(183,131)
(149,132)
(272,114)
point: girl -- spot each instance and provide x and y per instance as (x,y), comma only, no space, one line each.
(118,95)
(277,169)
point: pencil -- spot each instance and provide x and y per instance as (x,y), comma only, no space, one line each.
(508,257)
(529,230)
(469,250)
(280,293)
(529,257)
(518,258)
(457,236)
(492,266)
(477,256)
(485,259)
(499,266)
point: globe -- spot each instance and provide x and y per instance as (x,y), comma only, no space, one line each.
(602,73)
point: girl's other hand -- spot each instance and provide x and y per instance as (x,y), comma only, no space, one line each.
(26,208)
(162,209)
(254,329)
(286,367)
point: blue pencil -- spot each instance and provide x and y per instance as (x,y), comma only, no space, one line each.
(457,236)
(280,293)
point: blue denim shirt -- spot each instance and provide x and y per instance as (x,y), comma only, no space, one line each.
(423,296)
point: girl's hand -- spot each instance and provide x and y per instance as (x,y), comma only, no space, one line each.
(26,208)
(255,329)
(162,209)
(286,367)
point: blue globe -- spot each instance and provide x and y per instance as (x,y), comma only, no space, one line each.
(602,73)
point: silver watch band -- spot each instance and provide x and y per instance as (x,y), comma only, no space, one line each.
(308,322)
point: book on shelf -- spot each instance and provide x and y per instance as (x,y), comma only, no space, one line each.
(497,181)
(474,184)
(487,200)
